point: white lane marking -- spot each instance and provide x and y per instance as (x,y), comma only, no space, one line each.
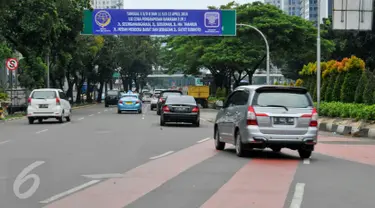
(306,161)
(44,130)
(99,112)
(80,119)
(203,140)
(4,142)
(75,189)
(298,196)
(104,176)
(91,114)
(105,110)
(162,155)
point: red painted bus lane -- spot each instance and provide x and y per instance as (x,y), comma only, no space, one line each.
(262,183)
(119,192)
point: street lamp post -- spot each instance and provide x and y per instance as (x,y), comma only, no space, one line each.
(318,73)
(267,48)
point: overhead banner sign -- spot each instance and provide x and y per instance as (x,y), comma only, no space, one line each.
(160,22)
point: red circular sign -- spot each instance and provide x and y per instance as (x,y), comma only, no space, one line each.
(12,64)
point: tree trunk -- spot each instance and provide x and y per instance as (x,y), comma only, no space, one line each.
(136,84)
(125,83)
(111,84)
(99,98)
(89,91)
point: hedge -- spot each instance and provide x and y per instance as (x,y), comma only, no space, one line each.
(345,81)
(347,110)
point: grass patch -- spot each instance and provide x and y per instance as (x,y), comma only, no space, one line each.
(15,115)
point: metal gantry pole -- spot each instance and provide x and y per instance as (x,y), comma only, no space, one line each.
(318,55)
(267,49)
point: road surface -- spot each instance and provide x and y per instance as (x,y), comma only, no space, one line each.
(102,159)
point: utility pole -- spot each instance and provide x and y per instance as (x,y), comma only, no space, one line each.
(318,73)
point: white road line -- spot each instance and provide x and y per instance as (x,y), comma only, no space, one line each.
(44,130)
(203,140)
(105,110)
(75,189)
(91,114)
(99,112)
(306,161)
(80,119)
(298,196)
(4,142)
(162,155)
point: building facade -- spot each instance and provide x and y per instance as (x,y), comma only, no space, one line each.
(107,4)
(309,9)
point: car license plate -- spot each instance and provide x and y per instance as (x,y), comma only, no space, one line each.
(283,121)
(43,106)
(129,103)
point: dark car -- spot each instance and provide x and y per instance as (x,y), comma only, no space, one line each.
(182,108)
(163,96)
(112,97)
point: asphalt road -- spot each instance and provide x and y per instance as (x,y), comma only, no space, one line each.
(102,159)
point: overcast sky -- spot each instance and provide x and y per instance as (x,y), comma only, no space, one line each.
(177,4)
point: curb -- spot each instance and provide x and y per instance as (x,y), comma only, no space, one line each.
(347,130)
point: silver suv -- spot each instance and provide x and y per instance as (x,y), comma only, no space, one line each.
(276,117)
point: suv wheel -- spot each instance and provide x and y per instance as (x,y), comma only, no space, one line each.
(304,154)
(239,145)
(162,122)
(218,144)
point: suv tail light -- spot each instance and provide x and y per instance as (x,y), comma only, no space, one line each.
(314,117)
(29,101)
(161,100)
(137,101)
(58,101)
(195,110)
(166,109)
(252,116)
(120,101)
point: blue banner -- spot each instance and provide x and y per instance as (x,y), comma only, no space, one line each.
(157,22)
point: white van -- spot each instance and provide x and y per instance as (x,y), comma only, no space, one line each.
(48,103)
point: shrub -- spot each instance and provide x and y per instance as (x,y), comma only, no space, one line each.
(299,83)
(330,86)
(361,87)
(220,92)
(353,68)
(276,83)
(336,93)
(347,110)
(285,83)
(369,90)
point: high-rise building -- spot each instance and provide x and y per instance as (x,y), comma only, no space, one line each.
(107,4)
(309,9)
(278,3)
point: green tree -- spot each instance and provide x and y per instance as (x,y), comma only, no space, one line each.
(328,96)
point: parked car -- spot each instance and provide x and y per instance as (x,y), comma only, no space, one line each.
(111,98)
(163,96)
(276,117)
(48,103)
(182,108)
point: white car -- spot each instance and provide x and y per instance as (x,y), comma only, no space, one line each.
(48,103)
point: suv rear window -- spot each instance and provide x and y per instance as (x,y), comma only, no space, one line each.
(288,99)
(44,95)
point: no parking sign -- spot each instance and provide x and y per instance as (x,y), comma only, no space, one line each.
(12,64)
